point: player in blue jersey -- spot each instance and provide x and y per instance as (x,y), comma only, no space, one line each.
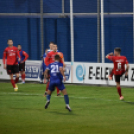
(24,56)
(56,77)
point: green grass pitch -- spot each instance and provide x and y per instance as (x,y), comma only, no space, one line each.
(95,110)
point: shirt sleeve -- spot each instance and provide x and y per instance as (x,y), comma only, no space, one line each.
(47,59)
(111,58)
(61,61)
(61,65)
(18,54)
(26,56)
(4,56)
(48,67)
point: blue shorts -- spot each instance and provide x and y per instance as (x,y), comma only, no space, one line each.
(56,83)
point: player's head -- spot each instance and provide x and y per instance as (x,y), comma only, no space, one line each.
(51,45)
(57,57)
(54,48)
(117,51)
(10,42)
(19,47)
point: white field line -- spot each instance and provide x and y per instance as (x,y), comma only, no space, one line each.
(28,94)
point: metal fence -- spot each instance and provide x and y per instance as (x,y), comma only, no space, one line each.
(113,19)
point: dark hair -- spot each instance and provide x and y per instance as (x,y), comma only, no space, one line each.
(9,39)
(117,49)
(57,57)
(19,44)
(51,42)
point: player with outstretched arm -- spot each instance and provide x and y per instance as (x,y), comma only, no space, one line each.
(56,77)
(23,57)
(119,67)
(10,60)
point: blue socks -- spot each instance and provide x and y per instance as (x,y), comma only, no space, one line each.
(66,99)
(48,97)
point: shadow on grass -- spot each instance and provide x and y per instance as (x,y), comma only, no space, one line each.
(61,113)
(128,102)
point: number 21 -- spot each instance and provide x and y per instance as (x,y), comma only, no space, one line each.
(54,68)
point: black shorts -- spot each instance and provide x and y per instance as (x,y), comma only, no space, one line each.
(117,77)
(22,66)
(12,69)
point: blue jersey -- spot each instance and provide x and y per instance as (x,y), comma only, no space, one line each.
(55,76)
(54,71)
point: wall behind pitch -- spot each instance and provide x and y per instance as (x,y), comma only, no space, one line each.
(55,6)
(23,31)
(26,31)
(119,33)
(19,6)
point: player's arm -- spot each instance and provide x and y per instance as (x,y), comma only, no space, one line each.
(108,55)
(26,56)
(4,58)
(46,73)
(62,72)
(18,54)
(47,59)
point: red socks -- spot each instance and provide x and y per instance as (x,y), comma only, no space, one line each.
(23,77)
(58,91)
(119,91)
(17,79)
(13,83)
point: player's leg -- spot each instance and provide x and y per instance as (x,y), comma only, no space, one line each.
(58,91)
(23,76)
(16,72)
(10,73)
(117,79)
(22,65)
(66,98)
(49,92)
(12,81)
(48,99)
(47,84)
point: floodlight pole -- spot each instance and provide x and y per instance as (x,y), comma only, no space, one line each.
(102,32)
(98,31)
(41,27)
(72,38)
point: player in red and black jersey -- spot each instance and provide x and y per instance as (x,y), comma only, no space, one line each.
(119,67)
(10,61)
(23,57)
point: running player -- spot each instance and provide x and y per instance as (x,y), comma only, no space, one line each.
(24,56)
(119,67)
(10,61)
(56,77)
